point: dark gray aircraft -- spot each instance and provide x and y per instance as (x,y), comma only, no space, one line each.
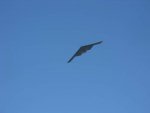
(84,49)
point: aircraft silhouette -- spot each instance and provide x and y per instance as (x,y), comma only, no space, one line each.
(83,49)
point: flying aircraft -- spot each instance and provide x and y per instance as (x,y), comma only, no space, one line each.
(83,49)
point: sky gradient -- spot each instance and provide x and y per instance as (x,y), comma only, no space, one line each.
(37,37)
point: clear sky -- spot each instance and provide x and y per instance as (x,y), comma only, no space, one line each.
(37,37)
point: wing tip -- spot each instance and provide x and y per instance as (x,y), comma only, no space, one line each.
(99,42)
(68,62)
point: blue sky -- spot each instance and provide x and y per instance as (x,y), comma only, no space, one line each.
(37,37)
